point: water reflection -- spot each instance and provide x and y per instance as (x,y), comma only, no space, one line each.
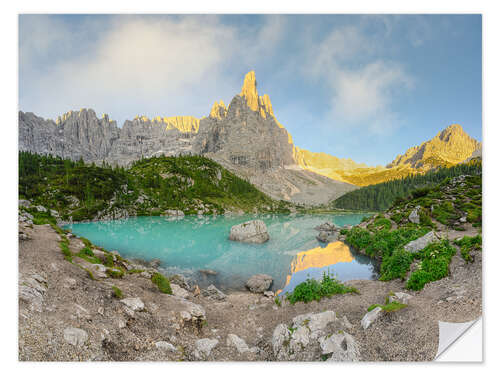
(335,258)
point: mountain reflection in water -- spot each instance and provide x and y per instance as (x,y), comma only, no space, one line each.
(336,258)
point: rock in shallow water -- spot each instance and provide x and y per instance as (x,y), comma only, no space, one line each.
(253,231)
(259,283)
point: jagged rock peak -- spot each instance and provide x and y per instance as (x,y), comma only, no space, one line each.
(218,110)
(249,91)
(185,124)
(82,112)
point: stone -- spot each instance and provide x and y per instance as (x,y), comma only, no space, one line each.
(208,272)
(400,297)
(259,283)
(340,347)
(203,347)
(155,263)
(75,336)
(463,219)
(164,345)
(414,216)
(253,231)
(41,209)
(370,317)
(24,203)
(32,290)
(327,237)
(327,227)
(196,291)
(420,243)
(133,303)
(213,293)
(98,270)
(178,291)
(54,213)
(269,294)
(240,344)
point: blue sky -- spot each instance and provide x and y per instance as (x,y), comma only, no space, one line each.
(365,87)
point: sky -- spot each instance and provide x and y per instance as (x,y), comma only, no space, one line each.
(365,87)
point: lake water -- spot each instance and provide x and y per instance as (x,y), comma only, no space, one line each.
(192,243)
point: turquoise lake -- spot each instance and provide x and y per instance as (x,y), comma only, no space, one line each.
(192,243)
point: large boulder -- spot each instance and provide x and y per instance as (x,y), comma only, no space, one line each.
(213,293)
(327,237)
(312,336)
(420,243)
(75,336)
(203,347)
(259,283)
(370,317)
(253,231)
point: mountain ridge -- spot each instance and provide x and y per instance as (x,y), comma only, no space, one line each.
(245,137)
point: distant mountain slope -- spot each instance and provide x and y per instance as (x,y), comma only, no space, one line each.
(449,147)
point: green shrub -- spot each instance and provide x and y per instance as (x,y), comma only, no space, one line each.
(117,292)
(396,265)
(115,273)
(436,258)
(63,244)
(161,282)
(108,262)
(468,244)
(313,290)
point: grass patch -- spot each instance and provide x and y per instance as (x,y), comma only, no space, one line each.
(468,244)
(117,292)
(115,273)
(277,301)
(63,244)
(313,290)
(389,307)
(161,282)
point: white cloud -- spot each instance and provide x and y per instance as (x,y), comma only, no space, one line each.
(137,64)
(361,86)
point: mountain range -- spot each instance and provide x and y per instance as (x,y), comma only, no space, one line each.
(245,137)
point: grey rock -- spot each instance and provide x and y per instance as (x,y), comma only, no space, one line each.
(213,293)
(269,294)
(238,343)
(259,283)
(326,227)
(32,290)
(463,219)
(164,345)
(75,336)
(327,237)
(370,317)
(98,271)
(133,303)
(414,216)
(178,291)
(253,231)
(203,347)
(41,209)
(24,203)
(400,297)
(208,272)
(420,243)
(340,347)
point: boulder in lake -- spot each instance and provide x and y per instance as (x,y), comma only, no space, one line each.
(253,231)
(327,237)
(327,227)
(418,244)
(259,283)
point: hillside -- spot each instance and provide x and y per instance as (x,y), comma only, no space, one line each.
(154,186)
(381,196)
(448,148)
(417,238)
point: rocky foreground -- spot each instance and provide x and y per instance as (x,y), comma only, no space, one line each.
(65,315)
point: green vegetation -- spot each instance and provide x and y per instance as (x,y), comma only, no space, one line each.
(389,306)
(149,187)
(162,283)
(117,292)
(468,244)
(277,301)
(447,204)
(313,290)
(434,265)
(381,196)
(115,273)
